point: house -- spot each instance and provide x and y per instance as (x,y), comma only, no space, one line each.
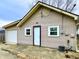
(44,25)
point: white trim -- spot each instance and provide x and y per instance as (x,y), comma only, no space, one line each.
(25,31)
(53,27)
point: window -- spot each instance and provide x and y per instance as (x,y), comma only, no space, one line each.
(27,31)
(53,31)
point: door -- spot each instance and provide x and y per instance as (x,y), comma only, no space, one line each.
(37,35)
(11,37)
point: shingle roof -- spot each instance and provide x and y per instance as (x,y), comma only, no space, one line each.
(11,24)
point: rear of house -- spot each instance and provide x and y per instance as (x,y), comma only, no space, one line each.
(44,26)
(47,31)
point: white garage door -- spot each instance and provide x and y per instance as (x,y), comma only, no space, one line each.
(11,37)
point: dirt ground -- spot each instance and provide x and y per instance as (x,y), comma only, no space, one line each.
(6,55)
(33,52)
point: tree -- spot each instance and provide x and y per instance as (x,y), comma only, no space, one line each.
(68,5)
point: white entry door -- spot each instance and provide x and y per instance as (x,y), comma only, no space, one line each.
(37,36)
(11,37)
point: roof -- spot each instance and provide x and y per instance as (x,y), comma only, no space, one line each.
(36,6)
(11,24)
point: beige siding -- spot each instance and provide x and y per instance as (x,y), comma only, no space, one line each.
(51,18)
(12,28)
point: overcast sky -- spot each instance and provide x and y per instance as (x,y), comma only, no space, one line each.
(11,10)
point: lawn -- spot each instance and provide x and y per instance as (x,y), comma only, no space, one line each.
(34,52)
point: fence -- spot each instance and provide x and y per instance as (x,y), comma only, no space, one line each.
(2,36)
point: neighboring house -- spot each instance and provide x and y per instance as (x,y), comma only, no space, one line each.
(44,25)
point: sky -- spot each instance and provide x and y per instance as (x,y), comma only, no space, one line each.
(12,10)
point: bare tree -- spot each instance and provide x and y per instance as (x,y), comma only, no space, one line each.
(67,5)
(57,3)
(70,5)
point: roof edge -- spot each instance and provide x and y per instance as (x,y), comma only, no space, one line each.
(11,24)
(60,10)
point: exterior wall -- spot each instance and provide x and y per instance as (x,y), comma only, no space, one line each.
(50,18)
(12,28)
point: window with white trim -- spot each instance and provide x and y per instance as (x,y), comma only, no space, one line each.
(53,31)
(28,31)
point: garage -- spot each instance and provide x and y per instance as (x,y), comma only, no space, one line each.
(11,37)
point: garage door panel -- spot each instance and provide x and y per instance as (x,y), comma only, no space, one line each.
(11,37)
